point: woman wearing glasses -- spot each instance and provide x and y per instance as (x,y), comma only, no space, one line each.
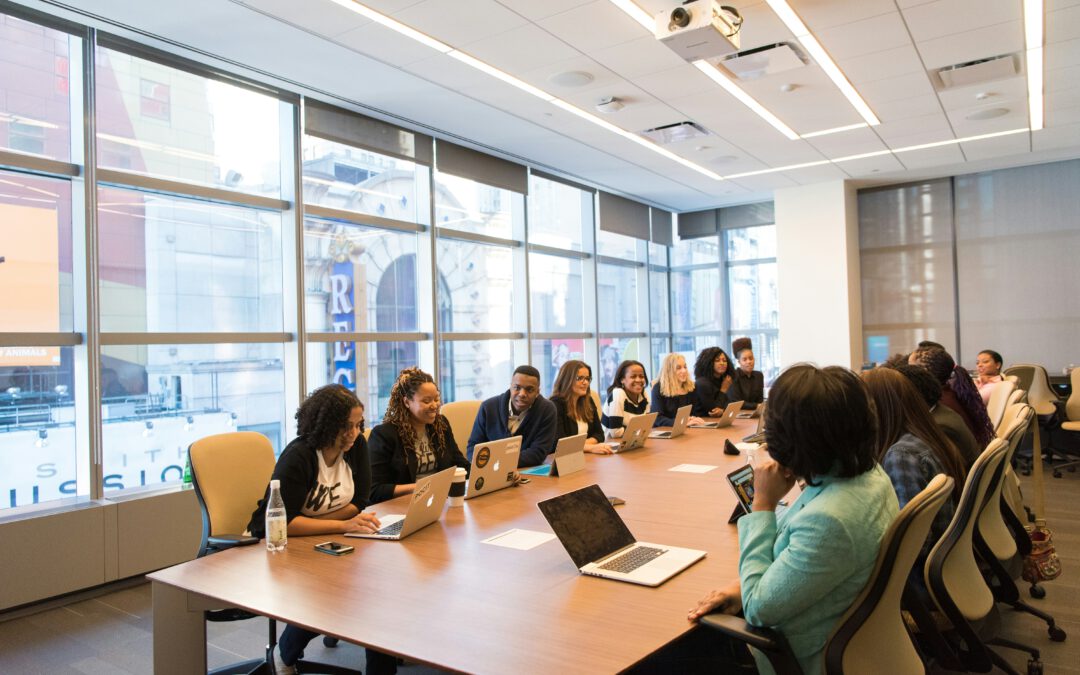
(575,411)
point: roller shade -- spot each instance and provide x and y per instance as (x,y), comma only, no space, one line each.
(697,224)
(343,126)
(747,215)
(565,181)
(468,163)
(661,227)
(624,216)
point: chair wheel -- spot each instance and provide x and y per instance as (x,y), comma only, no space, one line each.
(1037,592)
(1035,667)
(1056,634)
(329,641)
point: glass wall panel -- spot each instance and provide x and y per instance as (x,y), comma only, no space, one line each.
(475,287)
(37,80)
(361,279)
(478,369)
(462,204)
(696,300)
(661,347)
(703,251)
(617,298)
(35,244)
(158,121)
(620,246)
(556,293)
(179,265)
(559,214)
(37,425)
(164,397)
(549,355)
(614,351)
(754,297)
(367,368)
(659,318)
(750,243)
(354,179)
(691,345)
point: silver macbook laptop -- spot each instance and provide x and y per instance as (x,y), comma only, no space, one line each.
(759,435)
(750,414)
(493,466)
(729,414)
(569,458)
(635,433)
(601,545)
(425,507)
(678,428)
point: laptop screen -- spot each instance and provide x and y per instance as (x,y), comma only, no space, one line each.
(586,524)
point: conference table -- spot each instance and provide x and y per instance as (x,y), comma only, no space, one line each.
(444,598)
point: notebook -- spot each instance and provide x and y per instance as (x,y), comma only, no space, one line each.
(678,428)
(569,458)
(601,545)
(759,435)
(493,466)
(635,433)
(425,507)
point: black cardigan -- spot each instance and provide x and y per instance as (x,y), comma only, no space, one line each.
(707,395)
(666,407)
(567,426)
(750,389)
(298,469)
(389,467)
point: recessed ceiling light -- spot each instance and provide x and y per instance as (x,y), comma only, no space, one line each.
(571,78)
(987,114)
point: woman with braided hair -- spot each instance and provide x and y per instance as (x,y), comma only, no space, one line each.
(414,440)
(957,391)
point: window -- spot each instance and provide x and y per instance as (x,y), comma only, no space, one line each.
(154,100)
(752,293)
(468,206)
(549,355)
(368,368)
(559,214)
(477,287)
(556,293)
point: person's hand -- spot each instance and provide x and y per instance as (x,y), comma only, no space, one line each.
(364,523)
(716,412)
(771,482)
(726,384)
(727,600)
(695,420)
(599,449)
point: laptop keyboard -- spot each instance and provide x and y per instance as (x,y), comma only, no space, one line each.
(758,437)
(392,529)
(633,559)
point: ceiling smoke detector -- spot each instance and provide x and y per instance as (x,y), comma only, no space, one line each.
(609,104)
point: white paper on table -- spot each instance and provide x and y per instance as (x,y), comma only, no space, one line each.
(692,468)
(522,540)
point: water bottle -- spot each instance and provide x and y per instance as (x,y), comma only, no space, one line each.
(276,525)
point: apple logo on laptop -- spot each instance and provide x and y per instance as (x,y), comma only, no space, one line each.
(496,467)
(430,501)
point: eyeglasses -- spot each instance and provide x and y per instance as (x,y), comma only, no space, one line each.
(583,378)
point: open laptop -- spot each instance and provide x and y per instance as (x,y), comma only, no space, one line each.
(493,466)
(425,507)
(635,433)
(759,435)
(750,414)
(601,545)
(569,458)
(678,427)
(725,419)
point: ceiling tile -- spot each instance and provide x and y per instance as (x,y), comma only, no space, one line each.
(869,166)
(896,89)
(929,157)
(671,83)
(1063,78)
(459,22)
(816,174)
(949,17)
(937,125)
(766,182)
(1063,98)
(593,27)
(533,11)
(885,31)
(332,20)
(1063,54)
(997,147)
(821,14)
(384,45)
(844,143)
(972,45)
(1058,136)
(639,57)
(1063,24)
(503,50)
(915,106)
(880,65)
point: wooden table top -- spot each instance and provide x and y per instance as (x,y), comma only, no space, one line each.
(443,598)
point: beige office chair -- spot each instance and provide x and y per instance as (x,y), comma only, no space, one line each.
(872,632)
(596,401)
(1036,382)
(461,415)
(1018,396)
(999,400)
(956,583)
(230,473)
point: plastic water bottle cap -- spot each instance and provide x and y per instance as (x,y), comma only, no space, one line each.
(275,484)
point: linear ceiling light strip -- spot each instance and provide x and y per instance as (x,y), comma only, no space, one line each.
(1033,44)
(802,34)
(492,71)
(717,76)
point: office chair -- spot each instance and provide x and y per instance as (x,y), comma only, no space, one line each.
(956,584)
(230,473)
(872,632)
(999,400)
(461,415)
(1070,427)
(1040,396)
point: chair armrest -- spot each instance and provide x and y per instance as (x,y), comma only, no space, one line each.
(224,541)
(765,639)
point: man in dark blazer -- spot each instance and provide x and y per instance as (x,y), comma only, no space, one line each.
(518,411)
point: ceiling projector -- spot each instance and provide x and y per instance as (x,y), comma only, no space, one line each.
(702,29)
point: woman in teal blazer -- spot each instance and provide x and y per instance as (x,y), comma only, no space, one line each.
(799,572)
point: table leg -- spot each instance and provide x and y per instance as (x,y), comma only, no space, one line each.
(179,632)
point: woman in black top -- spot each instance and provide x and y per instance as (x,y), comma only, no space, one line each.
(713,377)
(575,411)
(749,384)
(414,440)
(673,390)
(325,481)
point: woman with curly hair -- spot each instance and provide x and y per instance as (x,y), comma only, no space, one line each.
(713,378)
(957,391)
(325,481)
(414,440)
